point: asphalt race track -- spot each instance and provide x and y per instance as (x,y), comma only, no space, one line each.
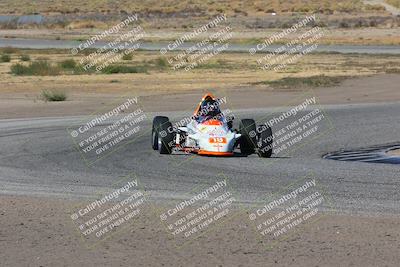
(37,157)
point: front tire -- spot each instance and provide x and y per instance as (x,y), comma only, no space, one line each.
(162,135)
(248,141)
(265,142)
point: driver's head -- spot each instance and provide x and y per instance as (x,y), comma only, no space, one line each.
(209,108)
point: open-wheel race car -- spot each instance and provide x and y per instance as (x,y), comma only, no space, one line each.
(210,132)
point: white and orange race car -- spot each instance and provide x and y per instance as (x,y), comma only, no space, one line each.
(209,132)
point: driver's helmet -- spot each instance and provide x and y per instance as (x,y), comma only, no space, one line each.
(209,109)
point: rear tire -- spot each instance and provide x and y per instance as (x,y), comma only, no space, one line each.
(248,140)
(265,142)
(162,135)
(157,121)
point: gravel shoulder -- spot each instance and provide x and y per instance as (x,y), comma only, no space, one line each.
(42,230)
(18,103)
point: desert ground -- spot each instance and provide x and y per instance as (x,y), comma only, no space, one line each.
(48,238)
(46,91)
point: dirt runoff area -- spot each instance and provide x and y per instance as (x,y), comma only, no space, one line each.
(20,102)
(38,232)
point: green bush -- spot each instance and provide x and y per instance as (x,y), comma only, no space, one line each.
(127,57)
(344,24)
(19,69)
(68,64)
(39,68)
(301,82)
(10,50)
(25,58)
(5,58)
(392,70)
(78,69)
(53,95)
(112,69)
(161,62)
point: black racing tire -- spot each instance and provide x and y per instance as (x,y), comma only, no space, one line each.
(162,135)
(265,142)
(157,121)
(248,140)
(165,138)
